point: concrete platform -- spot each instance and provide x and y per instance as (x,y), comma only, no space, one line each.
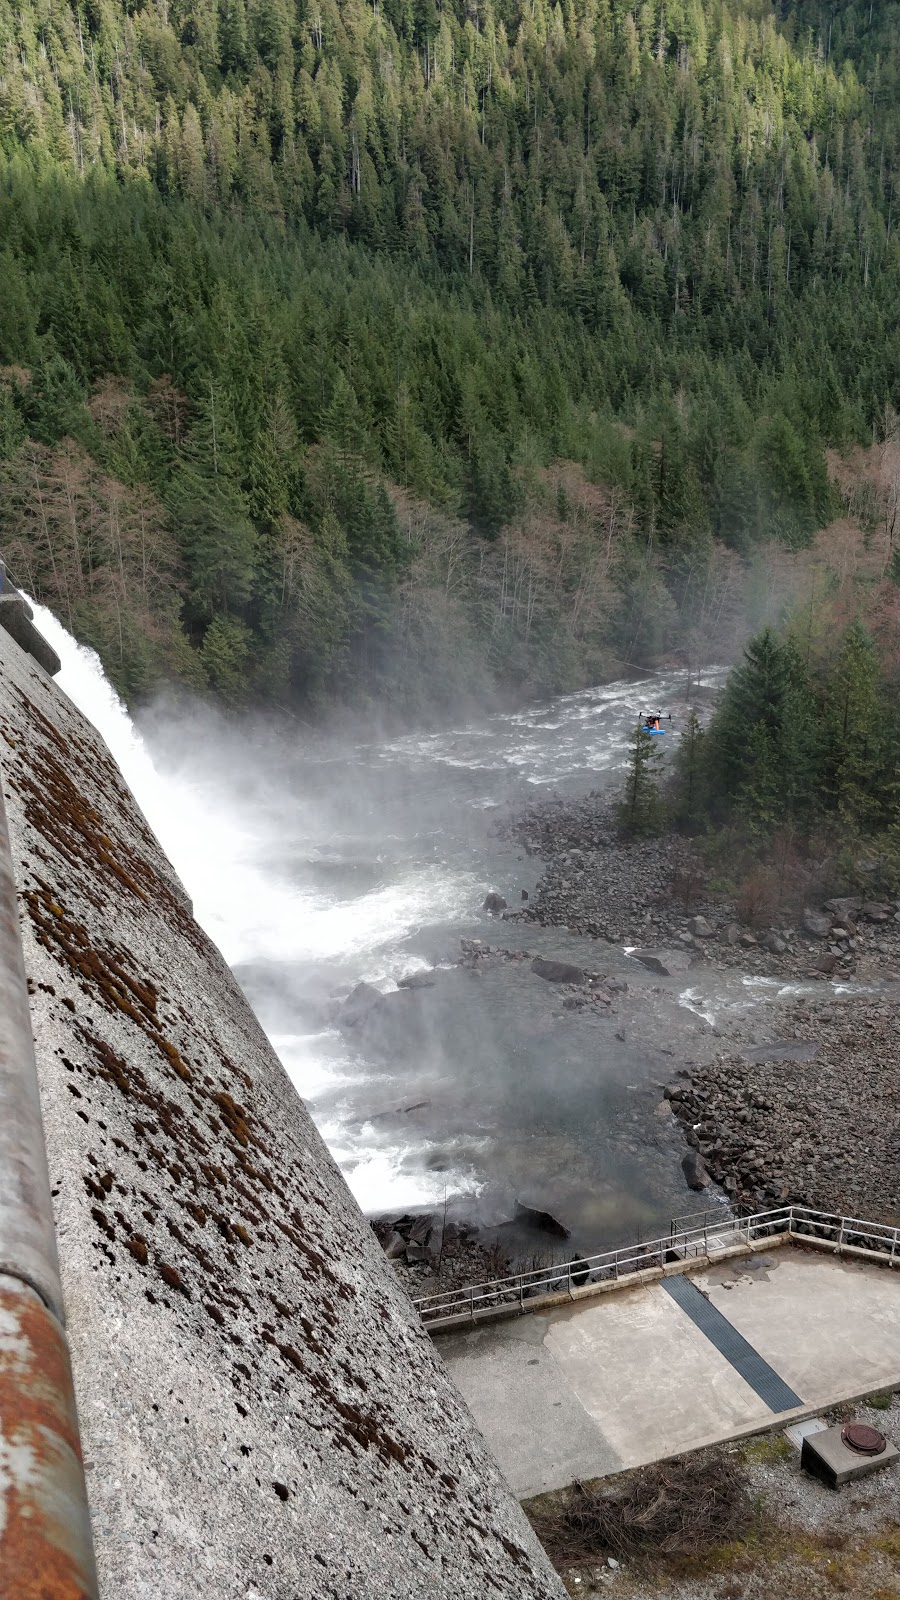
(628,1378)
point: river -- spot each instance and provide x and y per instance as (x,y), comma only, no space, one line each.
(314,863)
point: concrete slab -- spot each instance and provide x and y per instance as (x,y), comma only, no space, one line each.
(539,1433)
(828,1325)
(614,1382)
(652,1381)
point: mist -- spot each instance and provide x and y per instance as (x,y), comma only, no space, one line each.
(316,861)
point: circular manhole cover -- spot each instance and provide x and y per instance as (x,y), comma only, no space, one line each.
(864,1440)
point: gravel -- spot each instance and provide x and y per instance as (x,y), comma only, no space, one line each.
(812,1542)
(824,1132)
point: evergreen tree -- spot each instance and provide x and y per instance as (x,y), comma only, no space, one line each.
(640,811)
(855,734)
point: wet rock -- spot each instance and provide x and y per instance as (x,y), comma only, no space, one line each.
(816,924)
(668,963)
(420,1232)
(694,1168)
(494,903)
(417,980)
(532,1217)
(358,1004)
(557,971)
(845,905)
(524,894)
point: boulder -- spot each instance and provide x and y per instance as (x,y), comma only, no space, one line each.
(557,971)
(845,905)
(694,1168)
(773,942)
(733,933)
(358,1004)
(416,1253)
(817,925)
(747,941)
(394,1245)
(875,911)
(494,903)
(417,980)
(532,1217)
(700,928)
(580,1271)
(666,962)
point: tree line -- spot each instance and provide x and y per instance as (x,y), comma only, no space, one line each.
(803,751)
(277,276)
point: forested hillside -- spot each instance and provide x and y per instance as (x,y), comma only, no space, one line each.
(398,349)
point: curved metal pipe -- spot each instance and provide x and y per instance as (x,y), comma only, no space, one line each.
(27,1234)
(45,1531)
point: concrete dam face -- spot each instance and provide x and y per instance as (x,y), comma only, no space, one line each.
(261,1413)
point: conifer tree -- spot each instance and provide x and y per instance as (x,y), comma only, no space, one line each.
(854,732)
(640,810)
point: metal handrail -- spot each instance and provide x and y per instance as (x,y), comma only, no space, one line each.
(679,1245)
(45,1530)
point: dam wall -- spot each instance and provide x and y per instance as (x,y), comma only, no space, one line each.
(261,1414)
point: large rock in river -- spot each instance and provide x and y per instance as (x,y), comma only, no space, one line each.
(668,963)
(557,971)
(544,1221)
(358,1005)
(694,1168)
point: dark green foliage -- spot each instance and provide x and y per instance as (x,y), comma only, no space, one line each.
(793,749)
(640,810)
(691,797)
(859,735)
(324,251)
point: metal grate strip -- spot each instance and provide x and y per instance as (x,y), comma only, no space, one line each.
(762,1378)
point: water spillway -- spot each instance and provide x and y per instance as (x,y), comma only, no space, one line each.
(317,860)
(261,1414)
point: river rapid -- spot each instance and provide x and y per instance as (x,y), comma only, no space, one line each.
(314,863)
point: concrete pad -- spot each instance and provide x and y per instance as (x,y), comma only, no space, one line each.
(601,1387)
(591,1388)
(648,1376)
(829,1326)
(540,1435)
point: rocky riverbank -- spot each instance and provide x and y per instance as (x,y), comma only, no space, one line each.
(433,1256)
(812,1116)
(816,1123)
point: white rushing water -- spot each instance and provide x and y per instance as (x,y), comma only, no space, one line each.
(248,905)
(314,864)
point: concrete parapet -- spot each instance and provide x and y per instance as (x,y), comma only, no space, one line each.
(27,1236)
(45,1532)
(16,618)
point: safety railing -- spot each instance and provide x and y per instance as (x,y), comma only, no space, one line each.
(687,1240)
